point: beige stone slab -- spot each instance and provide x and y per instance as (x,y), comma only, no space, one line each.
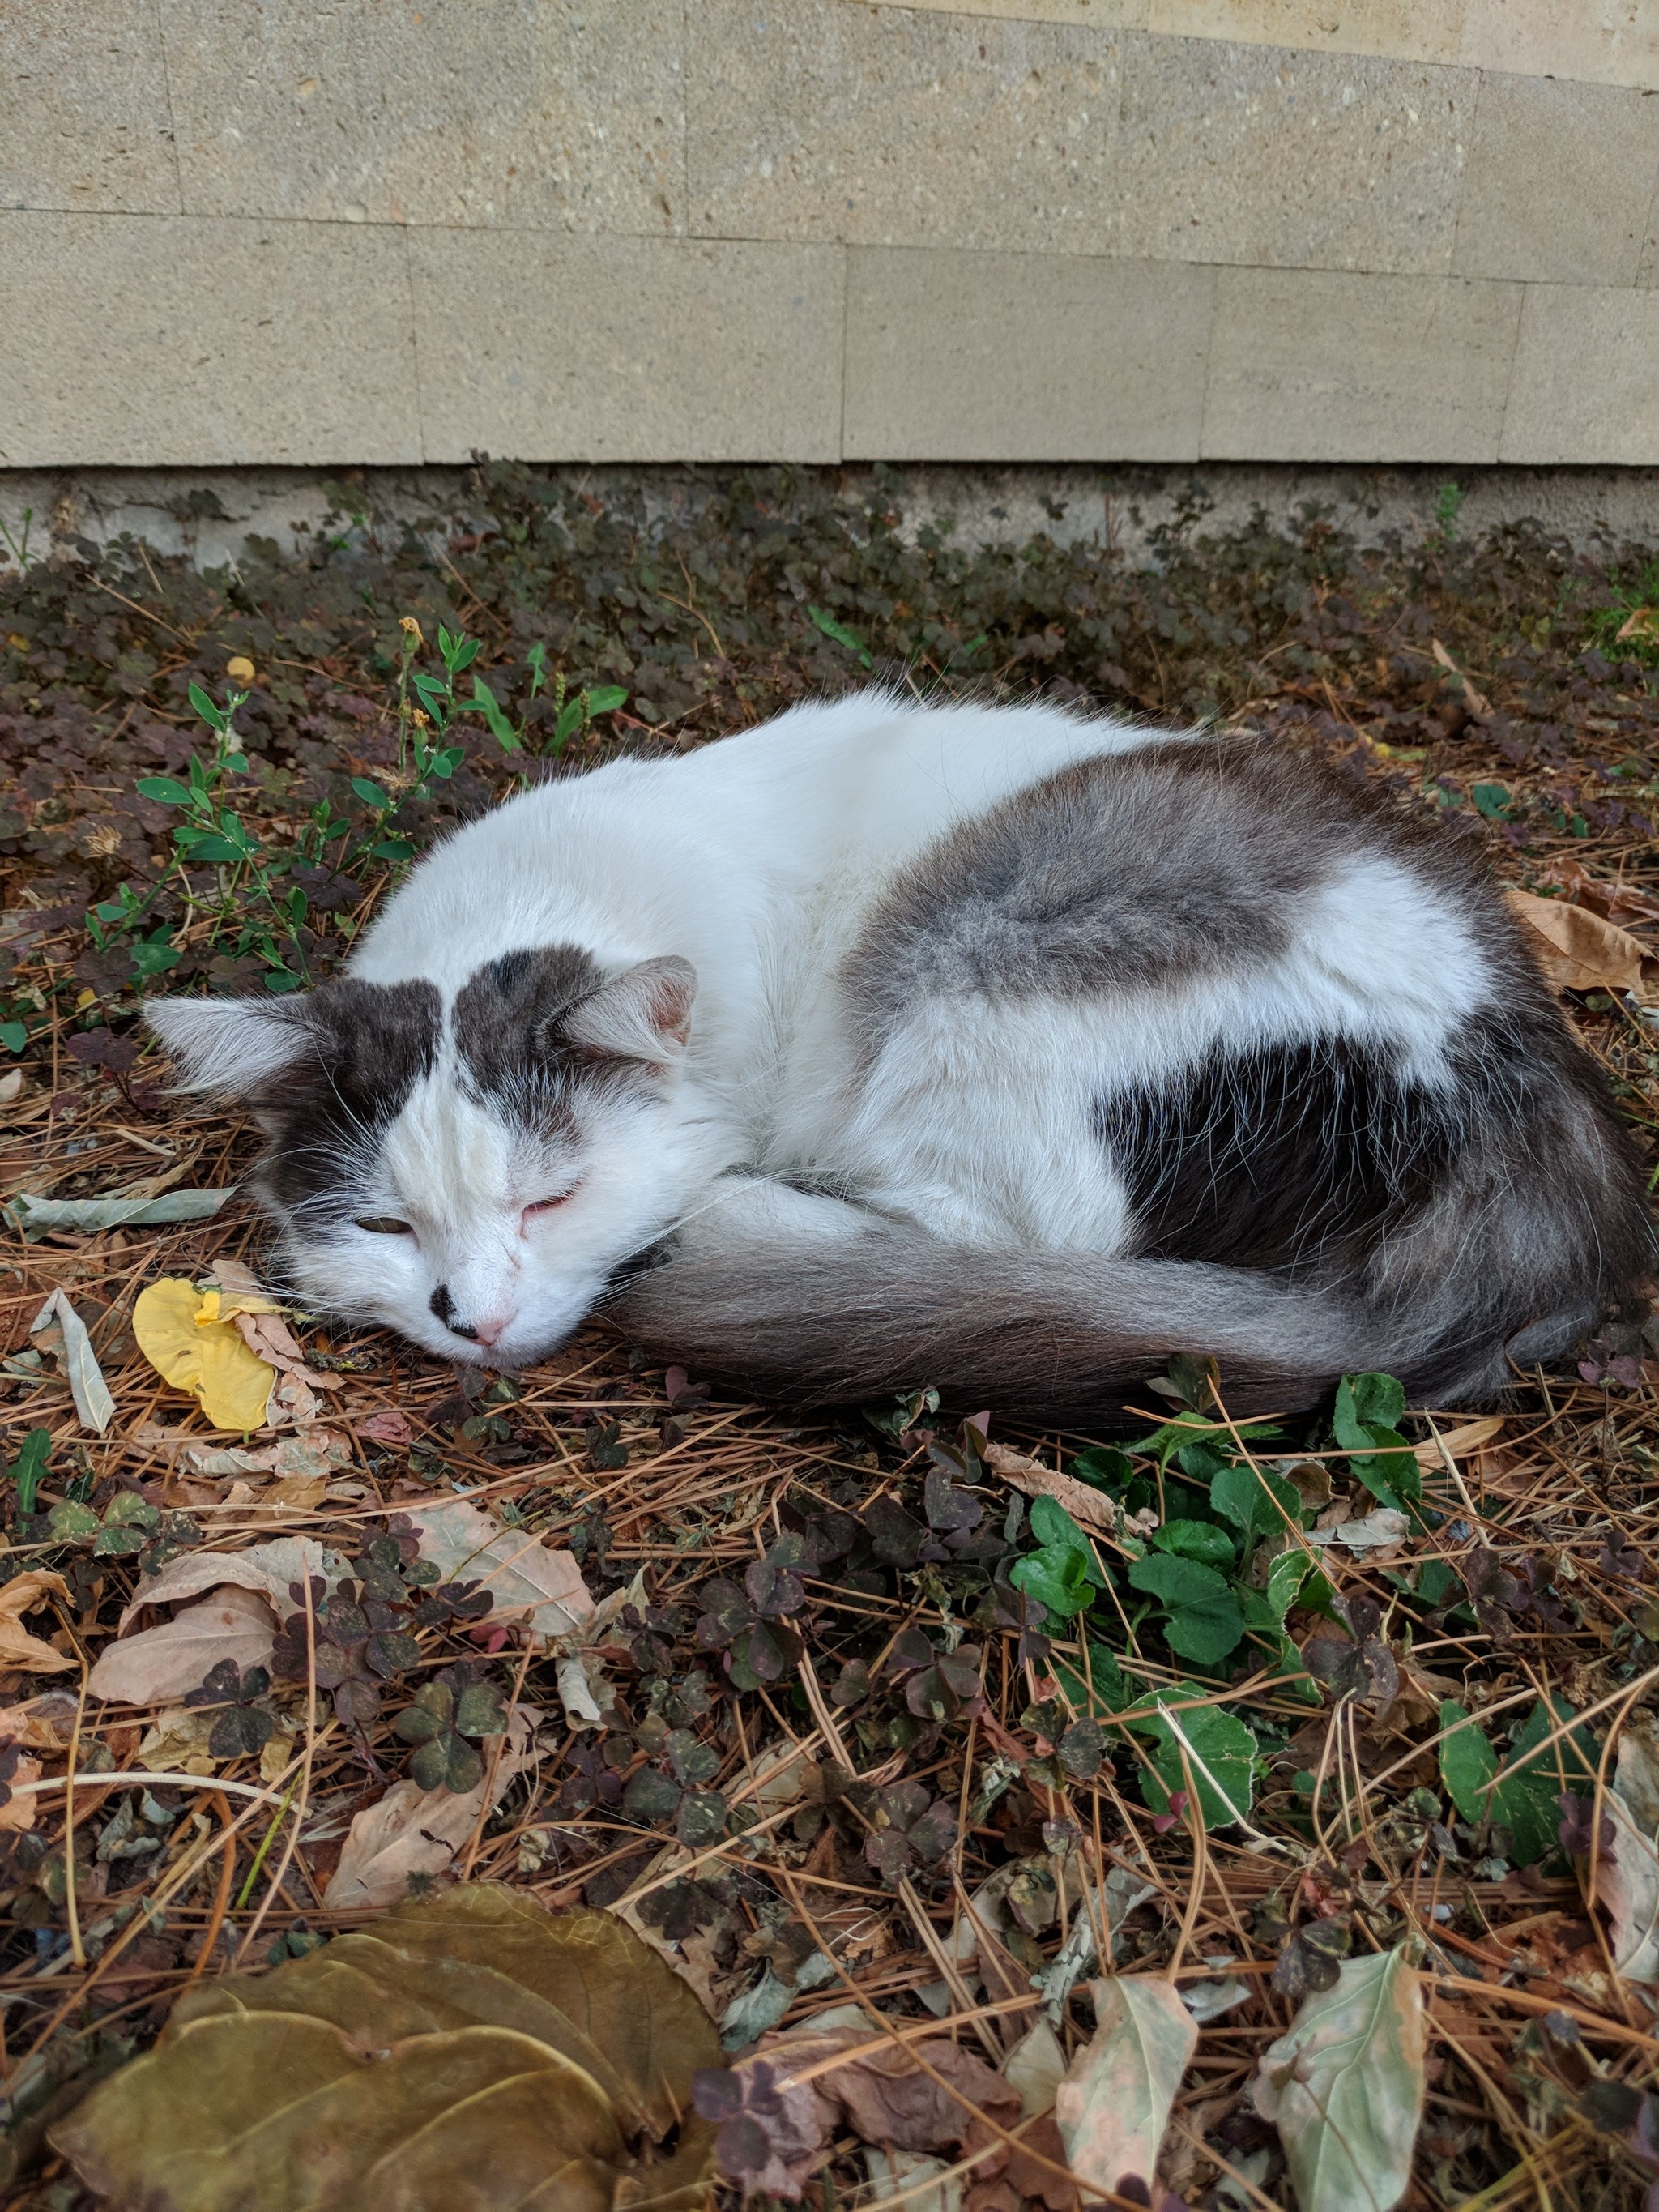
(538,114)
(898,126)
(1403,30)
(1602,41)
(1561,177)
(1023,357)
(1250,155)
(1585,386)
(83,107)
(1312,365)
(148,340)
(547,347)
(1093,15)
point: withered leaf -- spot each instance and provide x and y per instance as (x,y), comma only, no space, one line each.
(471,2047)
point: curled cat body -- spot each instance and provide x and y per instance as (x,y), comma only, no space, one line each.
(1000,1049)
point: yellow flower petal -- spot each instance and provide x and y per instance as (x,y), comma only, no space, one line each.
(205,1355)
(240,669)
(225,1305)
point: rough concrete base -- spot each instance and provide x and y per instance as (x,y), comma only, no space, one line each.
(209,513)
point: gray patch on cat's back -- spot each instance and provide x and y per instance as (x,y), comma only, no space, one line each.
(507,1014)
(1118,873)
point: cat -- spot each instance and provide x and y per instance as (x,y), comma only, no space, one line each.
(1000,1049)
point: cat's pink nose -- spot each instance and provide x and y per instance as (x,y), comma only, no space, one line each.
(487,1331)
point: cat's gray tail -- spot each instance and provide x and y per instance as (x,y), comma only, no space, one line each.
(1047,1337)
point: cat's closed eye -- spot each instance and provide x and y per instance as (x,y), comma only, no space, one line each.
(547,1205)
(382,1225)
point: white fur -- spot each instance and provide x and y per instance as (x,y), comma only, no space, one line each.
(757,860)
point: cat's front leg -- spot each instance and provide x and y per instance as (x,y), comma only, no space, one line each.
(740,1210)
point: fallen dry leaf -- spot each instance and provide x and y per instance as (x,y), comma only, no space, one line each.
(412,1831)
(43,1723)
(17,1813)
(469,2048)
(1088,1508)
(163,1662)
(1627,1877)
(1344,2087)
(526,1579)
(177,1743)
(1579,951)
(896,2095)
(266,1568)
(58,1328)
(1114,2106)
(388,1426)
(21,1595)
(207,1358)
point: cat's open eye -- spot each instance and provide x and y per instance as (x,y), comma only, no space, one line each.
(382,1225)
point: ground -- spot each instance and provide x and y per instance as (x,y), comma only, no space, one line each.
(892,1590)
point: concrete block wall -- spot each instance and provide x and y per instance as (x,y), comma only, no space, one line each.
(336,232)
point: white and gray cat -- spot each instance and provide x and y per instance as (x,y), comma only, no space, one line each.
(1002,1049)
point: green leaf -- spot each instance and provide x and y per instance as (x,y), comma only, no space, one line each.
(1491,800)
(29,1466)
(391,848)
(650,1796)
(1367,1408)
(165,790)
(1344,2087)
(1195,1540)
(1103,1468)
(1057,1577)
(215,717)
(484,701)
(605,699)
(823,620)
(1105,1689)
(1468,1764)
(1286,1578)
(446,764)
(1252,1499)
(1206,1620)
(205,845)
(68,1524)
(125,1511)
(569,720)
(1525,1798)
(13,1035)
(149,959)
(1219,1753)
(118,1543)
(371,794)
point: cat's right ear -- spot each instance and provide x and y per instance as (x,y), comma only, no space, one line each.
(233,1046)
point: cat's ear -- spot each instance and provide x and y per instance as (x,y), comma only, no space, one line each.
(233,1046)
(643,1014)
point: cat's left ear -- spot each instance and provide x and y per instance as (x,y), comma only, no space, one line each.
(237,1047)
(643,1014)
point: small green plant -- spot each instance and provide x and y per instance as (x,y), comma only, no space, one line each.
(1629,629)
(822,619)
(1447,503)
(19,548)
(213,833)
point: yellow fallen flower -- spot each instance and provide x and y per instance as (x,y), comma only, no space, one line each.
(180,1331)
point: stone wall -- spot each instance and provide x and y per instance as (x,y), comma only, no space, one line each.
(335,232)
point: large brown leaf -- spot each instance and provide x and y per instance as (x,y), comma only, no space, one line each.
(428,2062)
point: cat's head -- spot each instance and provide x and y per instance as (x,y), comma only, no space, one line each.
(470,1170)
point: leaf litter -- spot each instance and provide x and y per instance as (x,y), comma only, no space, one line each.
(890,1737)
